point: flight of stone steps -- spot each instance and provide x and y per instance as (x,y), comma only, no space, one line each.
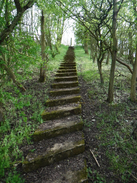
(60,138)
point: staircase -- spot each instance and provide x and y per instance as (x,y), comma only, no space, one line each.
(60,138)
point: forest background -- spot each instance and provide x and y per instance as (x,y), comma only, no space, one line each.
(30,40)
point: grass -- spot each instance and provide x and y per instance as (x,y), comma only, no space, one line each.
(53,64)
(114,121)
(16,130)
(117,138)
(22,112)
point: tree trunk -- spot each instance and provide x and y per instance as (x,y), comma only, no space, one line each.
(114,53)
(108,55)
(86,47)
(100,71)
(130,56)
(43,65)
(133,80)
(134,75)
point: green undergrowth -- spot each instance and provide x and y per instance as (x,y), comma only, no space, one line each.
(22,115)
(54,63)
(116,136)
(115,122)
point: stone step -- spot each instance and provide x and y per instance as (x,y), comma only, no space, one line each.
(67,67)
(70,170)
(61,111)
(66,70)
(68,78)
(65,91)
(54,128)
(68,63)
(63,101)
(53,150)
(68,84)
(66,74)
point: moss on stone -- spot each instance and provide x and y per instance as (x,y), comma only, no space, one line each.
(33,162)
(64,85)
(81,175)
(61,113)
(66,74)
(40,134)
(64,92)
(66,70)
(62,101)
(73,78)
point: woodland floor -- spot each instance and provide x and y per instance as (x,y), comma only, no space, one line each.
(92,108)
(90,114)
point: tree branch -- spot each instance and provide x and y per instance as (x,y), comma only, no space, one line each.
(18,6)
(16,19)
(129,68)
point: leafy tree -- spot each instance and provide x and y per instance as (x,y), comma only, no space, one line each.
(82,36)
(11,13)
(9,19)
(96,17)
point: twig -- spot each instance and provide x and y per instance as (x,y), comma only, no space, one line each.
(132,175)
(95,158)
(83,100)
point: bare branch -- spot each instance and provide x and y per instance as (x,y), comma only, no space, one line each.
(120,6)
(120,61)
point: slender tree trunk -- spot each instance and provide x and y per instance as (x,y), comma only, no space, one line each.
(94,58)
(86,47)
(60,30)
(43,65)
(100,71)
(130,56)
(108,55)
(93,52)
(114,53)
(134,75)
(133,80)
